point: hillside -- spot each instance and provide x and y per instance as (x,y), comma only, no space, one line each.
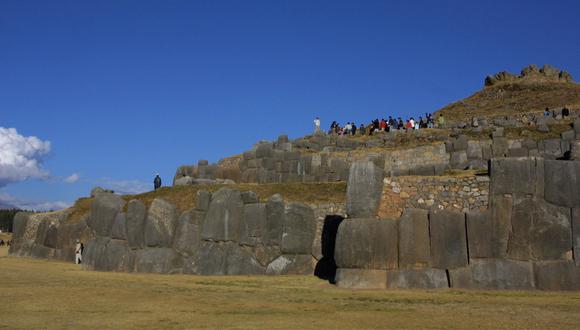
(506,94)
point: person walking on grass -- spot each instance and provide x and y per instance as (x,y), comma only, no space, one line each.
(78,252)
(157,181)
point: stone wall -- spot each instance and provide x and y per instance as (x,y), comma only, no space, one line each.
(462,194)
(228,232)
(528,239)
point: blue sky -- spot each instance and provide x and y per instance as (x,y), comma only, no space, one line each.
(124,89)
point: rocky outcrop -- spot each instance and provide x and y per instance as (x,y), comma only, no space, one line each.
(530,73)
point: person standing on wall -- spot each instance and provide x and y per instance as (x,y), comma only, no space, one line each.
(316,125)
(157,181)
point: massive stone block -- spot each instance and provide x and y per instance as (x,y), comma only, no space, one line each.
(291,265)
(241,261)
(51,237)
(414,247)
(104,209)
(117,257)
(501,216)
(364,190)
(224,216)
(479,234)
(361,278)
(160,224)
(119,227)
(158,260)
(202,200)
(253,225)
(135,223)
(274,219)
(562,182)
(19,225)
(223,258)
(448,241)
(299,229)
(188,233)
(522,222)
(551,237)
(513,175)
(576,235)
(367,244)
(557,275)
(493,274)
(427,278)
(95,254)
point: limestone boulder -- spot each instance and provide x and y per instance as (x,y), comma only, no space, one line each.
(135,223)
(274,219)
(427,278)
(158,260)
(202,200)
(104,210)
(298,230)
(253,225)
(414,247)
(483,274)
(576,235)
(364,190)
(551,237)
(188,233)
(119,227)
(224,216)
(19,225)
(448,239)
(513,175)
(562,183)
(367,244)
(361,278)
(291,265)
(160,224)
(51,237)
(479,234)
(557,275)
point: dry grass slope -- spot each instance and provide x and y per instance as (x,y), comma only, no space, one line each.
(513,98)
(43,294)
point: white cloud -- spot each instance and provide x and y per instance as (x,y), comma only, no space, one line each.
(21,156)
(9,201)
(124,187)
(72,178)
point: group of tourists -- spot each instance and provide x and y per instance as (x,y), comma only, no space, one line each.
(5,243)
(384,125)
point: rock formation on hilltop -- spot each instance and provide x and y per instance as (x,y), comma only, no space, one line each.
(531,73)
(506,94)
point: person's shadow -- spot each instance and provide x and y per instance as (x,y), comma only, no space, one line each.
(326,267)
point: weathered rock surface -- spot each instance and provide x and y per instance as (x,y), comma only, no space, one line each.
(299,229)
(253,224)
(414,247)
(188,233)
(119,227)
(160,224)
(480,233)
(367,244)
(135,223)
(494,274)
(291,265)
(158,260)
(104,209)
(562,182)
(224,216)
(576,235)
(365,186)
(361,278)
(275,219)
(448,240)
(557,275)
(427,278)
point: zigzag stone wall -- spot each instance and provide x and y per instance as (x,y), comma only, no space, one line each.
(228,232)
(528,239)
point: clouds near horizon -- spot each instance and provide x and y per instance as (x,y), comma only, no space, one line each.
(21,156)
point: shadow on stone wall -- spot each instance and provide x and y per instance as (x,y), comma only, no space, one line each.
(326,267)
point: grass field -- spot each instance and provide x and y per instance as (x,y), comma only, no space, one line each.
(44,294)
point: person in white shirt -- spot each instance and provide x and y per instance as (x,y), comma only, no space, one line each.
(317,124)
(78,252)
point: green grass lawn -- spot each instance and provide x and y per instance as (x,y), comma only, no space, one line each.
(44,294)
